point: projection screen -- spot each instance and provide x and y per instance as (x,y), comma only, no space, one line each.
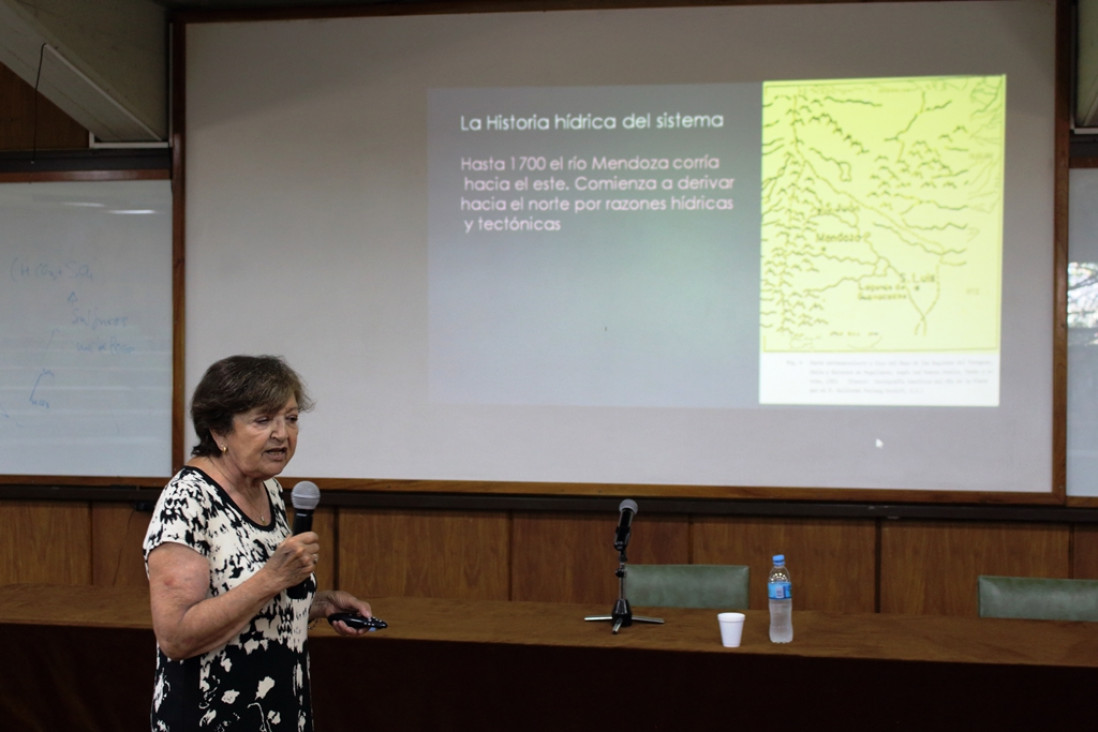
(804,246)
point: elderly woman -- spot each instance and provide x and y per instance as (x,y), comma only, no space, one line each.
(230,631)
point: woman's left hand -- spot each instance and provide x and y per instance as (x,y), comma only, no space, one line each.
(337,601)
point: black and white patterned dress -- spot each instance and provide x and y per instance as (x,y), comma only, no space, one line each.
(260,679)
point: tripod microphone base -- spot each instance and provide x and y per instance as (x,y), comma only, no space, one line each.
(623,617)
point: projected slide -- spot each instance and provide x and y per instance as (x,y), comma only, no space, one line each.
(810,242)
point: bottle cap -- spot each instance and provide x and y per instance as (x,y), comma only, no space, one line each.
(779,559)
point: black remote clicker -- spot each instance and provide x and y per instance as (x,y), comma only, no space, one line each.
(356,621)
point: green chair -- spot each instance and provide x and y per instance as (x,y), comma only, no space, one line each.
(1038,598)
(717,586)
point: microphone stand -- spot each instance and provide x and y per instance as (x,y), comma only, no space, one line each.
(622,615)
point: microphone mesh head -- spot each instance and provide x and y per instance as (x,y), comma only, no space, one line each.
(305,496)
(628,503)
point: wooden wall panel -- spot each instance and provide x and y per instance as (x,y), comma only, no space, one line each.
(925,567)
(654,540)
(453,554)
(45,541)
(931,568)
(324,524)
(117,531)
(571,557)
(1084,556)
(832,562)
(24,110)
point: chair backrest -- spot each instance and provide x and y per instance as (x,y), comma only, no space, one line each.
(718,586)
(1038,598)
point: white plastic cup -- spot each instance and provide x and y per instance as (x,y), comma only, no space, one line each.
(731,628)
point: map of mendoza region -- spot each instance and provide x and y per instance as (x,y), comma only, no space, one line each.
(882,214)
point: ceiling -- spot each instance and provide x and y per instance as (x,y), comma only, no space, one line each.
(263,4)
(1086,87)
(312,5)
(105,63)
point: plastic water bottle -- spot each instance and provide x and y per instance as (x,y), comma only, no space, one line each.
(780,591)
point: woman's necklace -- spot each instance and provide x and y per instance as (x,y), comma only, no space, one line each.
(249,510)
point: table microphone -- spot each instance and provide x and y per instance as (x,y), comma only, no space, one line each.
(305,497)
(628,509)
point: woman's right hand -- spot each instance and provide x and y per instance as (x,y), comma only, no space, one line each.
(295,559)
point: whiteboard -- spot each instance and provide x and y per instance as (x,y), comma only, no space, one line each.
(326,199)
(86,328)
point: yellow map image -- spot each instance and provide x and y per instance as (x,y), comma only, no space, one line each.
(882,214)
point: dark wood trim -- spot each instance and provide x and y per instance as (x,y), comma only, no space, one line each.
(588,491)
(384,8)
(1084,149)
(1065,32)
(703,507)
(178,41)
(137,163)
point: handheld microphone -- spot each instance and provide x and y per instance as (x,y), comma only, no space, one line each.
(305,498)
(628,509)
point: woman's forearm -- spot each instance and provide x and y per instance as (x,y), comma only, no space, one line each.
(184,630)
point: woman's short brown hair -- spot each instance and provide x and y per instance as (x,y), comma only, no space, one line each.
(238,384)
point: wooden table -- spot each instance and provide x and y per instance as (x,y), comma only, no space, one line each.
(82,658)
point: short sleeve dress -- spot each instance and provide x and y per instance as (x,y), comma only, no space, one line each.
(260,679)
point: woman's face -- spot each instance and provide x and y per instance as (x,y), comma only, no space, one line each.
(262,440)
